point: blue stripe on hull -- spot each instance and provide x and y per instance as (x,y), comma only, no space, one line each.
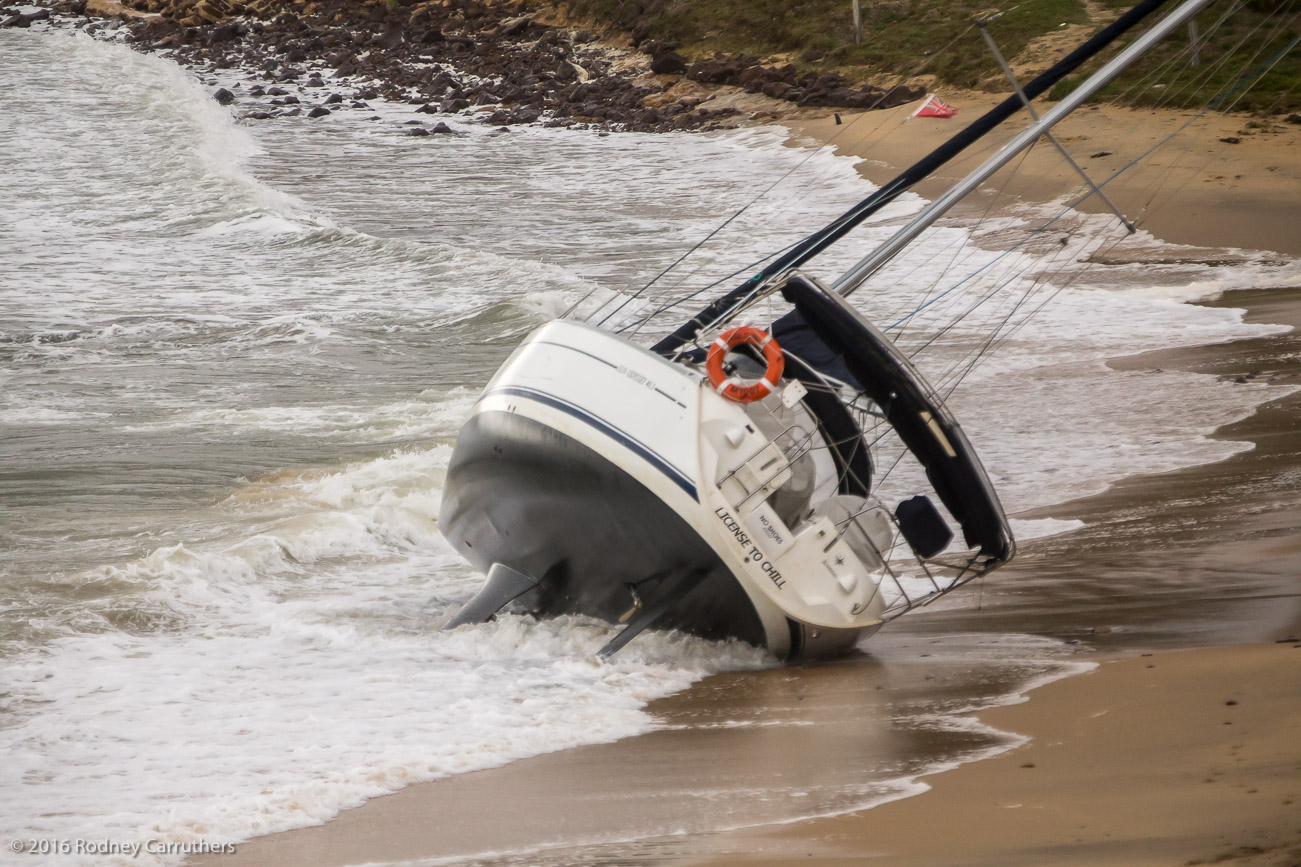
(643,451)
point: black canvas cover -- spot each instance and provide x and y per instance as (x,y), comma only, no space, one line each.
(912,408)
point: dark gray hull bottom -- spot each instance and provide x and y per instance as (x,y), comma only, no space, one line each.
(524,495)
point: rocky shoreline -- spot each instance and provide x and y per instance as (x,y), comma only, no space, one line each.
(495,63)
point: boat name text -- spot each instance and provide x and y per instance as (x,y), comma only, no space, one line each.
(637,377)
(748,548)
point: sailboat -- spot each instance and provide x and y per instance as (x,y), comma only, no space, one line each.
(720,481)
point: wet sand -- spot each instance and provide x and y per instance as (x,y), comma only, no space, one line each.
(1184,757)
(733,751)
(1207,557)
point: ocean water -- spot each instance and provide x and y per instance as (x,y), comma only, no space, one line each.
(235,356)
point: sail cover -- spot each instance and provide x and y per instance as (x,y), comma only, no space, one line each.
(910,405)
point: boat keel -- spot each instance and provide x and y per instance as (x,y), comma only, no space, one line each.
(503,585)
(669,593)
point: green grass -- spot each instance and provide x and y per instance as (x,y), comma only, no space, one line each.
(935,37)
(898,35)
(1234,55)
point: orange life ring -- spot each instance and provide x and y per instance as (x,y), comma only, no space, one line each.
(737,389)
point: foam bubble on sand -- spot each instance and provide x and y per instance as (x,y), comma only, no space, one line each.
(1025,529)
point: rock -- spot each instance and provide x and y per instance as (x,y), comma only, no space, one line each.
(448,106)
(417,130)
(668,63)
(227,31)
(318,111)
(776,89)
(277,91)
(112,9)
(427,109)
(333,99)
(640,33)
(443,129)
(224,96)
(1231,139)
(1294,117)
(258,115)
(212,11)
(391,38)
(18,20)
(653,47)
(443,83)
(515,26)
(715,71)
(902,95)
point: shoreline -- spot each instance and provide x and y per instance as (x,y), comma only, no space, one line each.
(585,792)
(397,827)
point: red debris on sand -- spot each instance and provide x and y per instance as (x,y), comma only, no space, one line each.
(935,107)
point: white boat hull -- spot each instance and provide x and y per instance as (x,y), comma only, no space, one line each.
(603,470)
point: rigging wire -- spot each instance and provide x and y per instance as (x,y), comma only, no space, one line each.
(746,299)
(917,70)
(1254,74)
(961,369)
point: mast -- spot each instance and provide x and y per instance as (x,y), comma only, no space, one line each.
(829,234)
(871,263)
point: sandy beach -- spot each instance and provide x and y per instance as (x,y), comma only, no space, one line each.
(1196,189)
(1180,747)
(1184,757)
